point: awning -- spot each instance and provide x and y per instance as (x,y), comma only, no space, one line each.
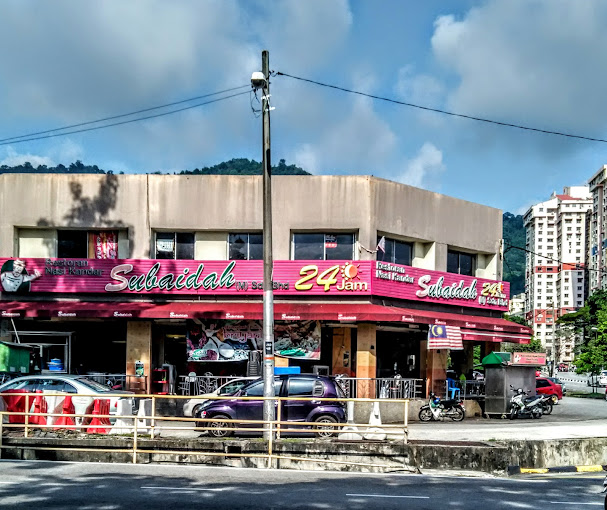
(336,312)
(481,336)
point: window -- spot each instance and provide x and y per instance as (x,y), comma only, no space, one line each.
(83,244)
(175,245)
(256,390)
(323,246)
(462,263)
(396,252)
(245,247)
(301,387)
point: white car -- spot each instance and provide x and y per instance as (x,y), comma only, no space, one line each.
(191,408)
(83,390)
(598,380)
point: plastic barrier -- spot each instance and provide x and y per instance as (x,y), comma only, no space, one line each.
(39,410)
(123,425)
(66,422)
(54,405)
(100,424)
(15,404)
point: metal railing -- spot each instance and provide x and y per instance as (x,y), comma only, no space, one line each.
(381,388)
(201,384)
(151,425)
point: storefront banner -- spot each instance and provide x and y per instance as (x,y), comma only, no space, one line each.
(245,277)
(232,340)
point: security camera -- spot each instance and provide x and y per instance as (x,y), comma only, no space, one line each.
(258,80)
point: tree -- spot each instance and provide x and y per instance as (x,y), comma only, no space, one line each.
(534,345)
(593,355)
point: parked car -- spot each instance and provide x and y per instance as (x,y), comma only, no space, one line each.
(556,380)
(291,385)
(544,386)
(74,385)
(191,408)
(599,379)
(478,376)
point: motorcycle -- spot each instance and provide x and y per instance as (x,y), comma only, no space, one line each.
(437,409)
(546,404)
(605,490)
(522,405)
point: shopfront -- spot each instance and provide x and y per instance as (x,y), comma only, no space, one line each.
(358,318)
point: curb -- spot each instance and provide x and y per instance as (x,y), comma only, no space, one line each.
(517,470)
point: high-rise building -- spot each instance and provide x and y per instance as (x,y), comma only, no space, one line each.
(597,246)
(555,267)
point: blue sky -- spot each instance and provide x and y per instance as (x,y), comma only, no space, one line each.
(532,62)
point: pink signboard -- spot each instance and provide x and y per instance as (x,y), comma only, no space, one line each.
(231,277)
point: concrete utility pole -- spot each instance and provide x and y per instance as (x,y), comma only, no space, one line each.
(268,293)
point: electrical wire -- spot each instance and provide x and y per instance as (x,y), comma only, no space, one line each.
(126,121)
(444,112)
(124,114)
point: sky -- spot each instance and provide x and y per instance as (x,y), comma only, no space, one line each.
(536,63)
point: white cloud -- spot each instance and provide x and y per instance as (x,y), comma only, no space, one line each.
(13,158)
(532,63)
(423,170)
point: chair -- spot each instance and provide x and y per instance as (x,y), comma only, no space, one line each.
(452,389)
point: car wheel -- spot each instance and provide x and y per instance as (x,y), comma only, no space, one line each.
(323,430)
(220,428)
(555,399)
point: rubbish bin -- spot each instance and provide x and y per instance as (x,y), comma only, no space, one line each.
(500,374)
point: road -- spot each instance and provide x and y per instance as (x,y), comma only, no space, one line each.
(56,485)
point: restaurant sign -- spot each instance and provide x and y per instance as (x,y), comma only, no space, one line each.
(245,277)
(529,358)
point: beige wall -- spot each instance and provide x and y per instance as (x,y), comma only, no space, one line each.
(212,206)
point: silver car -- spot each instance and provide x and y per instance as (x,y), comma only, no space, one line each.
(83,390)
(191,408)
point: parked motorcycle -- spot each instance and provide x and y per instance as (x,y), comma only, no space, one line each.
(546,404)
(437,409)
(521,405)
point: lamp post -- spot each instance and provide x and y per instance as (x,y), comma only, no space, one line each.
(262,81)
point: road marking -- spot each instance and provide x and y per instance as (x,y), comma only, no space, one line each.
(385,496)
(575,503)
(188,488)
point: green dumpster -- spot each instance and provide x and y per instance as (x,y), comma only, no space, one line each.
(14,358)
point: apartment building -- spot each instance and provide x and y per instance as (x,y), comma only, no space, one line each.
(555,266)
(597,246)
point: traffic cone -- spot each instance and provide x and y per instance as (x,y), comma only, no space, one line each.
(100,424)
(40,409)
(66,422)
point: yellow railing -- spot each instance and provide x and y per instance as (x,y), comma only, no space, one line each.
(153,425)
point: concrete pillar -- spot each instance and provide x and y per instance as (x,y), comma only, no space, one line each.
(342,352)
(366,359)
(436,371)
(139,348)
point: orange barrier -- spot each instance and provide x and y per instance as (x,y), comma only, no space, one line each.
(100,424)
(66,422)
(40,409)
(15,404)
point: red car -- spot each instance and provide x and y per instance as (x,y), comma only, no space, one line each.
(545,386)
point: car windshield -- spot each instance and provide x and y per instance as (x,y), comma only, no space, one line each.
(94,385)
(232,387)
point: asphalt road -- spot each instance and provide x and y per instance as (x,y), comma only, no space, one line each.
(56,485)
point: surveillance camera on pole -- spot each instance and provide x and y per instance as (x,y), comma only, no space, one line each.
(258,80)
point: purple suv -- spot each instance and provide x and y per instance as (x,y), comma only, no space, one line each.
(291,385)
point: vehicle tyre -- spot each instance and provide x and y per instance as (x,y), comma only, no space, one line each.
(458,413)
(425,414)
(547,407)
(512,413)
(220,429)
(323,430)
(555,399)
(536,413)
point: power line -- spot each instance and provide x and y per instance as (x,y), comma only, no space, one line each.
(444,112)
(125,114)
(126,121)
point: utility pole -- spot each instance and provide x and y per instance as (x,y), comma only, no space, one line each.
(268,293)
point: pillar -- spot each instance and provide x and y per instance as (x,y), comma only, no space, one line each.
(366,359)
(436,370)
(342,352)
(139,348)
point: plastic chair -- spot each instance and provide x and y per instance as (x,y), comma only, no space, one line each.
(452,389)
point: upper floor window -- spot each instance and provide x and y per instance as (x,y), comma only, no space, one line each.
(83,244)
(395,252)
(323,246)
(462,263)
(245,247)
(175,245)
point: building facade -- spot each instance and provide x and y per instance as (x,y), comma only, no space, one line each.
(556,267)
(127,273)
(597,245)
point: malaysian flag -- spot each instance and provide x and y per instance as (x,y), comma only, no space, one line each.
(445,337)
(382,244)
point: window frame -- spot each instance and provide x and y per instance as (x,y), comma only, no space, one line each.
(176,244)
(247,244)
(393,242)
(459,254)
(325,235)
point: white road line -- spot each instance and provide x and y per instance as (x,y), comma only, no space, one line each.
(385,496)
(188,488)
(575,503)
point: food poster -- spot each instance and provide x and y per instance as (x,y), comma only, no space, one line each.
(232,340)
